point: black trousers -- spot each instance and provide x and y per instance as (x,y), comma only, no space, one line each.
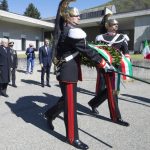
(45,69)
(106,91)
(13,76)
(68,104)
(3,87)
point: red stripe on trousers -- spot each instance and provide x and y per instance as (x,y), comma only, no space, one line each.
(110,96)
(113,80)
(70,102)
(98,82)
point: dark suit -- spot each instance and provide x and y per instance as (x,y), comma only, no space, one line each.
(4,68)
(14,64)
(45,59)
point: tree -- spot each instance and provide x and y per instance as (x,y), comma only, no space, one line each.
(32,11)
(4,5)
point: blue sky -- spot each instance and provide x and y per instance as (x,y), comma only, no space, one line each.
(48,8)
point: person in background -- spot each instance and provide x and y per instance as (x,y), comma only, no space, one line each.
(14,63)
(45,58)
(5,59)
(30,52)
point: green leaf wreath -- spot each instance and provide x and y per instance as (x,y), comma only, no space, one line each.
(116,56)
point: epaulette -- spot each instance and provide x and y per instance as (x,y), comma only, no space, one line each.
(99,38)
(126,37)
(76,33)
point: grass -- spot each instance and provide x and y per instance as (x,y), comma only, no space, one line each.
(23,55)
(137,57)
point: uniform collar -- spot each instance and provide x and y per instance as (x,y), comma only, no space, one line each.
(111,33)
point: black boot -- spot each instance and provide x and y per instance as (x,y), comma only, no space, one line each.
(14,85)
(4,94)
(53,112)
(49,121)
(80,145)
(122,122)
(94,110)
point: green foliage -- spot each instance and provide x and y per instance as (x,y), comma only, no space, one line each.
(137,57)
(130,5)
(4,5)
(115,54)
(32,11)
(86,61)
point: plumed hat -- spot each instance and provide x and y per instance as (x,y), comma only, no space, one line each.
(66,12)
(63,11)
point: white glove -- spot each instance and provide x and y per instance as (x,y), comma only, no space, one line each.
(108,68)
(41,65)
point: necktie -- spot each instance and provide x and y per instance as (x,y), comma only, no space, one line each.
(5,49)
(47,50)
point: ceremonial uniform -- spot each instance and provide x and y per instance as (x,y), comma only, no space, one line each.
(68,43)
(106,81)
(71,43)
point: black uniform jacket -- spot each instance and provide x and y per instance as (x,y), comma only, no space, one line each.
(14,58)
(4,65)
(120,43)
(73,40)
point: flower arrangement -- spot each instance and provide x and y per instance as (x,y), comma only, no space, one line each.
(101,48)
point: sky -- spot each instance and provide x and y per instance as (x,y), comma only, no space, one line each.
(48,8)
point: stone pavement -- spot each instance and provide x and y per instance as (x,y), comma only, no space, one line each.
(22,126)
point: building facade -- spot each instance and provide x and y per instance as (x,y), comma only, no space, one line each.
(23,30)
(135,24)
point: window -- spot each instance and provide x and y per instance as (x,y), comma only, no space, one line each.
(23,44)
(37,44)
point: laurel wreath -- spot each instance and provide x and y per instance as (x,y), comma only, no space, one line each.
(116,56)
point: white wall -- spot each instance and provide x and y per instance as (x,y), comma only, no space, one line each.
(142,31)
(15,32)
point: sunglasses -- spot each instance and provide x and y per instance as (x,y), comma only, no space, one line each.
(74,15)
(114,24)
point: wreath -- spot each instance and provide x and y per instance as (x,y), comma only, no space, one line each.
(114,53)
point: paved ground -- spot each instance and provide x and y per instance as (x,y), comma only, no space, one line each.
(22,126)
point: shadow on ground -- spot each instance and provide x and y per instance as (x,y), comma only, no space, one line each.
(133,98)
(32,108)
(31,82)
(21,71)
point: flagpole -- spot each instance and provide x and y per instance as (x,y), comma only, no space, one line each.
(138,79)
(140,66)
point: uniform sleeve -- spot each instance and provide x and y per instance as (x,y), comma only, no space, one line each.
(77,38)
(40,55)
(82,46)
(124,48)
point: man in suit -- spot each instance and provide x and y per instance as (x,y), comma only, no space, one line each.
(14,63)
(4,66)
(45,55)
